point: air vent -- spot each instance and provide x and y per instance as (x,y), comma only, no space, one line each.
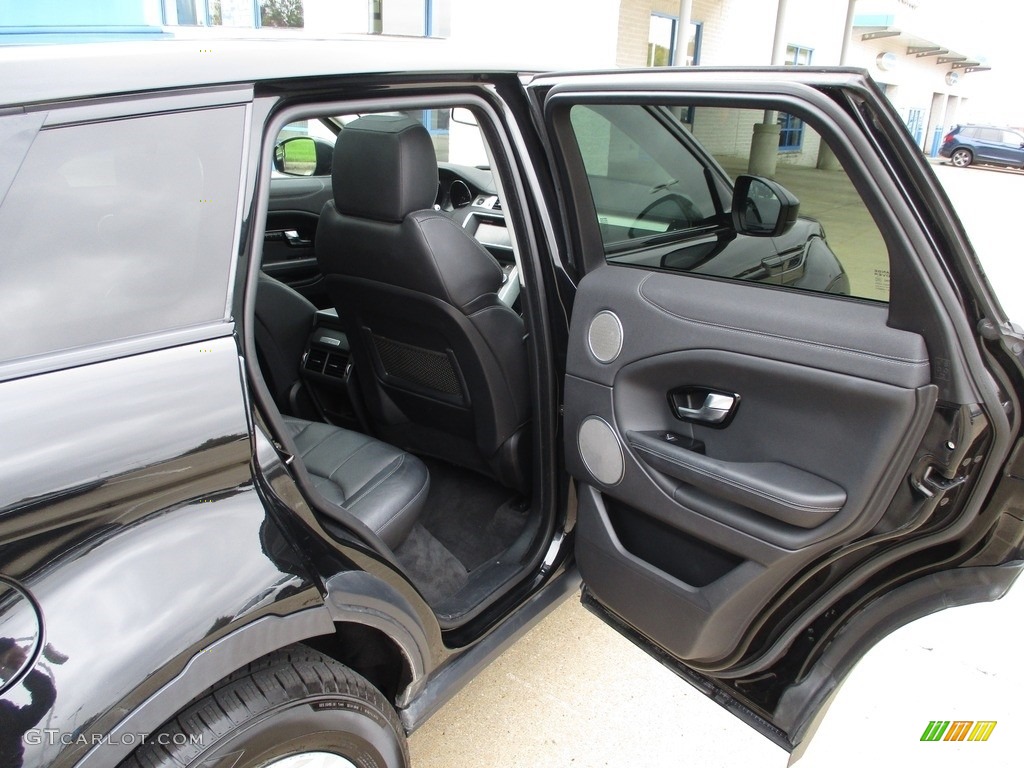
(336,365)
(315,360)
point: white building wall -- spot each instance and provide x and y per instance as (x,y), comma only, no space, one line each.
(916,86)
(404,17)
(818,25)
(539,34)
(912,84)
(735,32)
(336,16)
(559,34)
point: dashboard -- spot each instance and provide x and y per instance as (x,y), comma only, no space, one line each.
(468,194)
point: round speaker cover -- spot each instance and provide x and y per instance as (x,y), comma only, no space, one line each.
(600,450)
(605,336)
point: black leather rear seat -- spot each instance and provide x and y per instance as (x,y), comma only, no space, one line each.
(381,485)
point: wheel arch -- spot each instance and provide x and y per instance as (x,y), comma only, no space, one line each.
(364,607)
(209,665)
(345,629)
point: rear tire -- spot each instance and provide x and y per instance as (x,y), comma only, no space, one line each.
(295,702)
(961,158)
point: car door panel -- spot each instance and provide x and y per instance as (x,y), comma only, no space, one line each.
(772,488)
(786,479)
(292,216)
(803,328)
(757,464)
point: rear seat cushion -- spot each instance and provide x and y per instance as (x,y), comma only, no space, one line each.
(381,485)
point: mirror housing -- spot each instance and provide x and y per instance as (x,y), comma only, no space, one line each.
(463,116)
(762,207)
(303,156)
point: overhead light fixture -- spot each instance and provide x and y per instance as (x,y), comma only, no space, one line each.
(886,61)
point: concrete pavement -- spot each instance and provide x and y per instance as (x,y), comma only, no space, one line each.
(575,693)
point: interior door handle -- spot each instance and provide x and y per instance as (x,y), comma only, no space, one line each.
(716,409)
(291,238)
(294,240)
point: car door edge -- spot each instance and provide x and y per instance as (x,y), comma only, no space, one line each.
(804,705)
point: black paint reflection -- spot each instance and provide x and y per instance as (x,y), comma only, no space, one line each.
(16,721)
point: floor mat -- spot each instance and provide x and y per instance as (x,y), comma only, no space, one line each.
(433,569)
(473,516)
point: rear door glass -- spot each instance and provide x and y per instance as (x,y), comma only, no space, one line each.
(662,187)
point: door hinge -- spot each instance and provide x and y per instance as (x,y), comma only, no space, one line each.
(932,483)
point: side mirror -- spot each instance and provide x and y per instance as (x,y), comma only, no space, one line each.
(463,116)
(303,156)
(762,207)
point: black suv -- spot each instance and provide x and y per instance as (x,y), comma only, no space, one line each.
(324,375)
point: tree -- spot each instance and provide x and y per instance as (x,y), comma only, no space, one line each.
(281,13)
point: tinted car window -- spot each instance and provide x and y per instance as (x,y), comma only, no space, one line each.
(117,229)
(643,180)
(991,134)
(653,184)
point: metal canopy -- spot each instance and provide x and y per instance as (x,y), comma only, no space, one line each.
(881,26)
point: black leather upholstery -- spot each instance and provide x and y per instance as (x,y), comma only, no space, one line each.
(387,168)
(284,320)
(441,361)
(381,485)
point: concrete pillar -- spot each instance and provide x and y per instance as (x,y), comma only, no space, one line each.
(827,160)
(683,32)
(764,150)
(934,126)
(764,147)
(952,107)
(847,32)
(779,43)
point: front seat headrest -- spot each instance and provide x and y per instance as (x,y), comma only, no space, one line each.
(384,168)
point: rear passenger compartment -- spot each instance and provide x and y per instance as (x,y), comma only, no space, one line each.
(469,534)
(410,336)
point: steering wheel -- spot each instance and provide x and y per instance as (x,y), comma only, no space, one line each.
(689,215)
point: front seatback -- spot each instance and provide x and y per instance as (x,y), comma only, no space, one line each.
(440,360)
(284,320)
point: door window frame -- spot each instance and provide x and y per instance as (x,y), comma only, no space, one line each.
(589,246)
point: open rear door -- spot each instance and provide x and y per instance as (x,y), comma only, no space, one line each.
(790,400)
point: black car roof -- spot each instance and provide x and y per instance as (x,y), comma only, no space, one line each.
(42,74)
(33,74)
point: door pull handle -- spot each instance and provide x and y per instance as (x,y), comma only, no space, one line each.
(715,410)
